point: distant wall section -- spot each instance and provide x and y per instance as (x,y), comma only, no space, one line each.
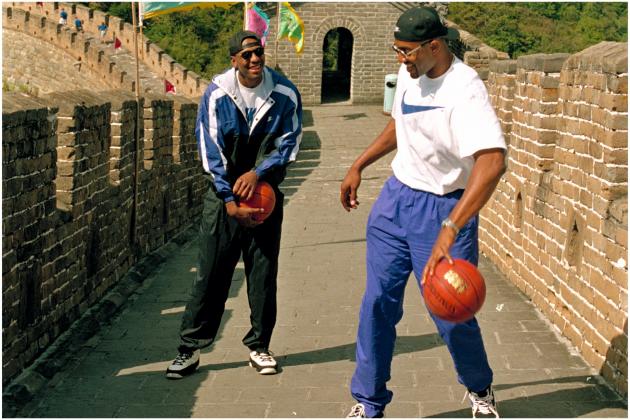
(44,68)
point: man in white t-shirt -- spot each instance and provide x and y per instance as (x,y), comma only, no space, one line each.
(450,157)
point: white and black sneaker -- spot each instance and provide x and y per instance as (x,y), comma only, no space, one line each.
(263,362)
(356,412)
(486,405)
(184,364)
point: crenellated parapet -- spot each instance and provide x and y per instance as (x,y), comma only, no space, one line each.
(474,52)
(155,59)
(69,164)
(557,224)
(84,49)
(95,55)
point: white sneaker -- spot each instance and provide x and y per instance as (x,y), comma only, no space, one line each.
(483,405)
(184,364)
(263,362)
(356,412)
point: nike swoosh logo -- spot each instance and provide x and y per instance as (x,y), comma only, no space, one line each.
(412,109)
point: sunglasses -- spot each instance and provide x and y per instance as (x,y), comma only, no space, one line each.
(260,51)
(407,54)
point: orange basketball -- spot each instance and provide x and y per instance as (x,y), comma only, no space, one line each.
(263,198)
(455,292)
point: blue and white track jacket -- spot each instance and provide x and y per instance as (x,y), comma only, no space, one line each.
(228,147)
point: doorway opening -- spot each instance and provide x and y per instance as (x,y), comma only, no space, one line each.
(337,65)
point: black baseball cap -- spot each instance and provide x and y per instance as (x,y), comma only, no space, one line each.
(236,42)
(421,24)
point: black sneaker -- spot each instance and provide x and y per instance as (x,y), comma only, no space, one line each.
(184,364)
(263,362)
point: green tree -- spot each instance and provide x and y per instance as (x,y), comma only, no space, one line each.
(527,28)
(331,50)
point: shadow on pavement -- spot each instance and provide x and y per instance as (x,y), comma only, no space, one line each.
(565,403)
(404,344)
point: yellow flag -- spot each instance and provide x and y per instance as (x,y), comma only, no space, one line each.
(291,26)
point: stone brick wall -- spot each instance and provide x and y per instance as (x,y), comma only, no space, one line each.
(58,58)
(68,201)
(371,25)
(501,84)
(557,225)
(26,63)
(187,83)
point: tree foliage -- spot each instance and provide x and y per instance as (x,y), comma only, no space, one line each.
(546,27)
(331,50)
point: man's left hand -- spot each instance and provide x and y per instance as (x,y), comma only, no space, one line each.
(245,185)
(443,243)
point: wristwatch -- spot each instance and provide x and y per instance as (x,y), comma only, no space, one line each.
(450,224)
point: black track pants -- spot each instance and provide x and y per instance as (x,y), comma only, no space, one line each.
(221,242)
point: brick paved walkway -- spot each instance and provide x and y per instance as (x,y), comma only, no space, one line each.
(120,371)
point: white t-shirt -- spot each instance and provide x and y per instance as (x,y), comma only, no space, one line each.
(253,99)
(440,124)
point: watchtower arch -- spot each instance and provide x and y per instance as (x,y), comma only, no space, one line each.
(337,65)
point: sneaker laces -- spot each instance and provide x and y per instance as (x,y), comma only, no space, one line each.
(182,358)
(483,405)
(358,410)
(266,356)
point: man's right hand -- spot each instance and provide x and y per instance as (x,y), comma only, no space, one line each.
(382,145)
(349,187)
(243,215)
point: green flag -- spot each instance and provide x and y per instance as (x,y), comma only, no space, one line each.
(291,26)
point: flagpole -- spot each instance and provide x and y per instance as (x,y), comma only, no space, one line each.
(134,219)
(245,16)
(277,33)
(141,24)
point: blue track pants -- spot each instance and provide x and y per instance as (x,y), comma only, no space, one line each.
(402,228)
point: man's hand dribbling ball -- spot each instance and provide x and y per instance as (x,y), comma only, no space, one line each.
(455,292)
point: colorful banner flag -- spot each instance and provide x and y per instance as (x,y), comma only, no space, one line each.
(291,26)
(257,22)
(152,9)
(169,87)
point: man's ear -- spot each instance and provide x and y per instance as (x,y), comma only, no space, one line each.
(233,60)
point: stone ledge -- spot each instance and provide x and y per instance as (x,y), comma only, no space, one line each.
(503,66)
(607,57)
(547,63)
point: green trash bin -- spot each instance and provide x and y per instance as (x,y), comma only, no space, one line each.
(390,90)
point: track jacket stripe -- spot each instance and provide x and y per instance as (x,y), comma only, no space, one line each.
(211,143)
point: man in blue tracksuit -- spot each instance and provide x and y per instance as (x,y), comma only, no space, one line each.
(449,159)
(249,127)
